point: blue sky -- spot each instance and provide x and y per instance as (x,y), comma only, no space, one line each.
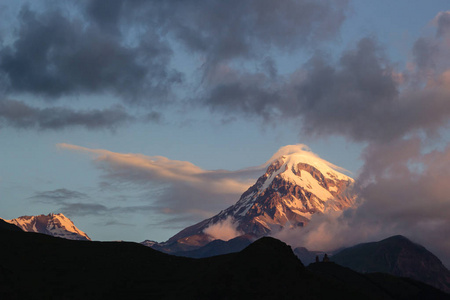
(222,86)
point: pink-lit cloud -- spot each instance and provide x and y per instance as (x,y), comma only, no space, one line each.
(187,188)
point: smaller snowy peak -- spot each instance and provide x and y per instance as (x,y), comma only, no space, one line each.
(57,225)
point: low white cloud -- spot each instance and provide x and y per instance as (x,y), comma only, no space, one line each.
(224,230)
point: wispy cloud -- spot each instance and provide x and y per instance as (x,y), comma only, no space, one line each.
(59,195)
(18,114)
(188,189)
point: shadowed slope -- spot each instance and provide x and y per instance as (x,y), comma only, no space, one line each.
(5,226)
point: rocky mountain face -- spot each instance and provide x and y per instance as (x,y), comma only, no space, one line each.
(52,224)
(397,256)
(293,188)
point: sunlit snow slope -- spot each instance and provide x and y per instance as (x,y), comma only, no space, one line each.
(52,224)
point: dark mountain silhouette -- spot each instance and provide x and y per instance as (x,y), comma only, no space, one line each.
(308,257)
(5,226)
(38,266)
(397,256)
(219,247)
(376,285)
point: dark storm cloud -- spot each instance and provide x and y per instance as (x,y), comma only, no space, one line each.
(18,114)
(122,47)
(55,56)
(125,48)
(358,97)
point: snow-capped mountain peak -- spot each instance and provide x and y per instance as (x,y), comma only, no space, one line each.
(305,171)
(52,224)
(296,185)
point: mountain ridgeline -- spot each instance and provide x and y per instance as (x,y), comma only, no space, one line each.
(398,256)
(40,266)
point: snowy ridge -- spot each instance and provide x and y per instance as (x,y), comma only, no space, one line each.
(56,225)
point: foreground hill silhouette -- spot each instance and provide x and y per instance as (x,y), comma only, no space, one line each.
(5,226)
(398,256)
(37,266)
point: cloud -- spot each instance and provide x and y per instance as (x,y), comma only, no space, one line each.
(125,48)
(116,223)
(54,55)
(362,95)
(224,230)
(74,203)
(227,30)
(442,22)
(71,203)
(359,97)
(186,188)
(59,195)
(18,114)
(82,209)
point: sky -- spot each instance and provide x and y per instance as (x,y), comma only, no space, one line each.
(138,118)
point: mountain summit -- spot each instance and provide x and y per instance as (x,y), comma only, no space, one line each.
(295,186)
(52,224)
